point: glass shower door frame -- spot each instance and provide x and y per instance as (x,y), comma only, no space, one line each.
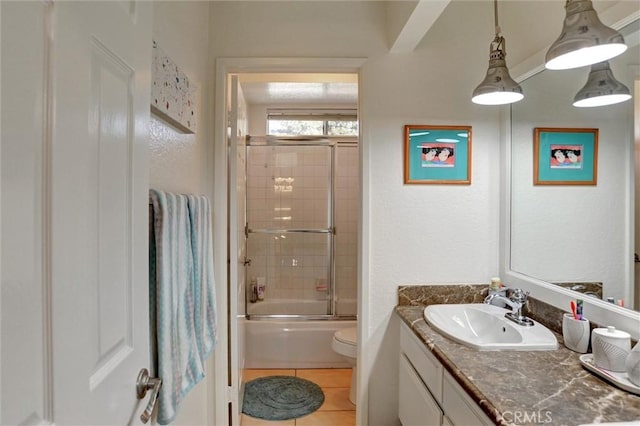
(330,230)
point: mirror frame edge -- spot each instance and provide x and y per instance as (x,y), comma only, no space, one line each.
(599,311)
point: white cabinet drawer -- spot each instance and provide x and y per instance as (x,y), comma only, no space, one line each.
(416,406)
(425,363)
(460,408)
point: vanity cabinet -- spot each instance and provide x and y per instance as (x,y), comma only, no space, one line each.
(429,395)
(416,404)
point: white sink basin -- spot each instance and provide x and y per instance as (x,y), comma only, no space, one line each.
(484,327)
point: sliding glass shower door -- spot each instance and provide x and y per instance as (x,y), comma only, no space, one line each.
(290,229)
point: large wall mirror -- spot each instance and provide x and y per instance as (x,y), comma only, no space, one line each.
(580,237)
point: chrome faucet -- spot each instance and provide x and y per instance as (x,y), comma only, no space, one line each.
(516,302)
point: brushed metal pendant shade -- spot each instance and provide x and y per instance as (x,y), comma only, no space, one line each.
(602,88)
(584,39)
(497,88)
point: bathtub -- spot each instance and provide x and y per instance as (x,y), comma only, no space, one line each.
(292,343)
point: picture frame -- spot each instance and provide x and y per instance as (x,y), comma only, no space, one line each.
(565,156)
(437,154)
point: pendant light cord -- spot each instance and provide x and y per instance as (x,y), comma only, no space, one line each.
(495,17)
(498,44)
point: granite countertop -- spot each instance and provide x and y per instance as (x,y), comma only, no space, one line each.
(526,387)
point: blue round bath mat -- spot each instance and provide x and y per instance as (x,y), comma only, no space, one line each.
(281,397)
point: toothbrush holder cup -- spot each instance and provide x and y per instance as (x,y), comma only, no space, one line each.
(576,333)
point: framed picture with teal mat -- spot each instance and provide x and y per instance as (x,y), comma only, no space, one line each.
(437,154)
(565,156)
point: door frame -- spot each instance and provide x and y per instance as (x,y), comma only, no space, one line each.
(224,67)
(236,169)
(635,281)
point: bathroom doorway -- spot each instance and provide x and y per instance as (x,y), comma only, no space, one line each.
(301,192)
(252,120)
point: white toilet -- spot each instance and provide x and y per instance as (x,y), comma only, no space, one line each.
(345,343)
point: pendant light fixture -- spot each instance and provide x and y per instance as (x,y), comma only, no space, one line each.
(497,88)
(584,40)
(602,88)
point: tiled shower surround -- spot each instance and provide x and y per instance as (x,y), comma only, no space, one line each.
(288,187)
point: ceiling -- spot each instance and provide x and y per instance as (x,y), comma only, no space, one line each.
(341,90)
(300,89)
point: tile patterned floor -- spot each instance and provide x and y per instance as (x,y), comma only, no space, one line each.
(336,410)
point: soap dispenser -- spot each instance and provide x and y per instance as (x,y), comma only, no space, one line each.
(496,285)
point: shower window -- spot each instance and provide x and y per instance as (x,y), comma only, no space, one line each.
(325,122)
(341,127)
(280,127)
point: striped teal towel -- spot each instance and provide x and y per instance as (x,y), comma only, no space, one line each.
(180,335)
(204,285)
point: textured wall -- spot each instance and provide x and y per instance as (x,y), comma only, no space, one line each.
(177,161)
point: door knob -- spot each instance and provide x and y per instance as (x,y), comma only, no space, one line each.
(143,384)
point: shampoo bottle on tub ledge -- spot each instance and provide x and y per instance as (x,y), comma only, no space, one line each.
(261,288)
(253,291)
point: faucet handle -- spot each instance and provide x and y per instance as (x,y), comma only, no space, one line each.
(518,295)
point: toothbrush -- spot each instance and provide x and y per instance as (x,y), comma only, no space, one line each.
(574,309)
(579,308)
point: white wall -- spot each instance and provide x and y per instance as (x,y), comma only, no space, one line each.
(179,162)
(418,233)
(181,30)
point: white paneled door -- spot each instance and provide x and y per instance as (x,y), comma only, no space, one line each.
(88,174)
(99,178)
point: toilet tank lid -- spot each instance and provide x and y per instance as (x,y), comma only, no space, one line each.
(347,335)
